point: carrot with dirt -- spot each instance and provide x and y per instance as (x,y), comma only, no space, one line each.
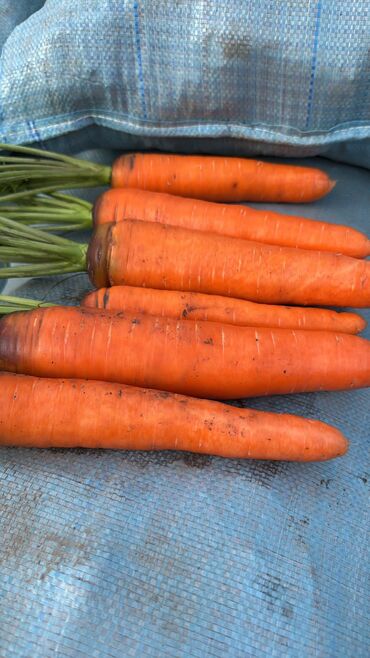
(147,254)
(236,221)
(214,308)
(202,359)
(214,178)
(127,418)
(59,212)
(196,306)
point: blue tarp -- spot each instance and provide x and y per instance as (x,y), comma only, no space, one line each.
(111,555)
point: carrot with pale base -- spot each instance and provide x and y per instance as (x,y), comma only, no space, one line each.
(203,359)
(214,308)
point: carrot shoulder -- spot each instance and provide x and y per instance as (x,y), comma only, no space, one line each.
(237,221)
(219,178)
(202,359)
(214,308)
(94,414)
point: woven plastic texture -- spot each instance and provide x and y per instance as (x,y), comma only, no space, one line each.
(109,554)
(279,78)
(112,555)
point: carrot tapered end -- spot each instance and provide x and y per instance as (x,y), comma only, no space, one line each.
(324,185)
(336,444)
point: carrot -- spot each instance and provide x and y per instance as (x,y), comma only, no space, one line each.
(160,256)
(203,359)
(204,177)
(63,212)
(220,178)
(127,418)
(236,221)
(198,306)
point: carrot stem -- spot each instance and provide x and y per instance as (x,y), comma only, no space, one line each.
(46,155)
(53,211)
(38,253)
(44,171)
(10,304)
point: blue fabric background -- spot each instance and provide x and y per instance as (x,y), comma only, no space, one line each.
(280,78)
(111,555)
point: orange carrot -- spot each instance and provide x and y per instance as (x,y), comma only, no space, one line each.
(126,418)
(204,359)
(237,221)
(198,306)
(63,212)
(204,177)
(152,255)
(160,256)
(220,178)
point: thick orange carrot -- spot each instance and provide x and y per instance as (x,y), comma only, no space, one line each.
(237,221)
(126,418)
(204,359)
(160,256)
(219,178)
(152,255)
(198,306)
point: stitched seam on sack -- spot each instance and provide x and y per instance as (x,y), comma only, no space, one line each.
(32,126)
(139,57)
(275,130)
(89,119)
(311,90)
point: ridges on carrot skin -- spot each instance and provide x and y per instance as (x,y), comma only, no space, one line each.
(148,254)
(215,308)
(203,359)
(220,178)
(122,417)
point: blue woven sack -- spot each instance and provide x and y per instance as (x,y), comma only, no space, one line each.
(277,78)
(109,554)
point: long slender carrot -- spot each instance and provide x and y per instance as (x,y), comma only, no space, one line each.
(204,177)
(63,212)
(160,256)
(126,418)
(198,306)
(204,359)
(219,178)
(236,221)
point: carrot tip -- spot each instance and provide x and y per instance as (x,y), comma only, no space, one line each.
(341,445)
(344,446)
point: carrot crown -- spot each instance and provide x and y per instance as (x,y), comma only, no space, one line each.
(37,252)
(34,170)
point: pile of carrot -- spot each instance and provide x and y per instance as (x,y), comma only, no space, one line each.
(194,299)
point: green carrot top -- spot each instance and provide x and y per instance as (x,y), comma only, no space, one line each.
(31,170)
